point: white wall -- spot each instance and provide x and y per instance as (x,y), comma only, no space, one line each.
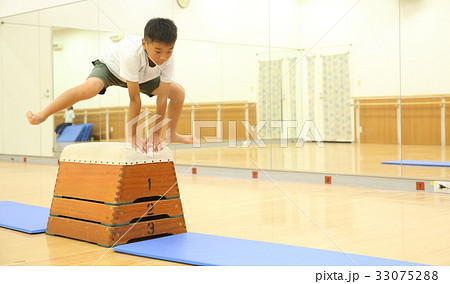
(425,47)
(26,83)
(212,72)
(372,27)
(230,21)
(23,6)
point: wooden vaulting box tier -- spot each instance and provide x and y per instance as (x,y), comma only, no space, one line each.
(109,194)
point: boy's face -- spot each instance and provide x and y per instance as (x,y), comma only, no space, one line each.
(157,51)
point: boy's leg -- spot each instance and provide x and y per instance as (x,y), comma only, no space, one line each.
(176,96)
(86,90)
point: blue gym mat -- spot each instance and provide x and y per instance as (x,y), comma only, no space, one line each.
(86,132)
(72,133)
(23,217)
(418,163)
(201,249)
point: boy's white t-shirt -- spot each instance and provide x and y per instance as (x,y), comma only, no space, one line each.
(69,115)
(127,60)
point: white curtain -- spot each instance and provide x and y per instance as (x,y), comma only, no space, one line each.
(270,104)
(336,98)
(293,95)
(310,69)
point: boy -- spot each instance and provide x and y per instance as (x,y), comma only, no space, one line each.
(146,67)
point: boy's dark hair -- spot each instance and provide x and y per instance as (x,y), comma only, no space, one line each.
(161,30)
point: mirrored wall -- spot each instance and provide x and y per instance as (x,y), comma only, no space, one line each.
(296,85)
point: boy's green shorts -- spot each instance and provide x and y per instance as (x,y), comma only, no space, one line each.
(102,72)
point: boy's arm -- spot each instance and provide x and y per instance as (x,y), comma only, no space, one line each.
(161,105)
(133,112)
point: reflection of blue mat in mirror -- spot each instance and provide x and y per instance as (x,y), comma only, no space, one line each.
(418,163)
(72,133)
(201,249)
(23,217)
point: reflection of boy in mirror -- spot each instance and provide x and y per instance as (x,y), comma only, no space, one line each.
(69,115)
(143,65)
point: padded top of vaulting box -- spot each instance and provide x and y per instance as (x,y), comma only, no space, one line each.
(111,153)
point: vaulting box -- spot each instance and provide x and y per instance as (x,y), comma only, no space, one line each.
(108,194)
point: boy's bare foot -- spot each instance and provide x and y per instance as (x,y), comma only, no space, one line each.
(185,139)
(34,119)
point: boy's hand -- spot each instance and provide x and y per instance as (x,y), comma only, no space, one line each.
(138,145)
(154,140)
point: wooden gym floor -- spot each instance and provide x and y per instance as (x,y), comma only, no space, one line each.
(342,158)
(402,225)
